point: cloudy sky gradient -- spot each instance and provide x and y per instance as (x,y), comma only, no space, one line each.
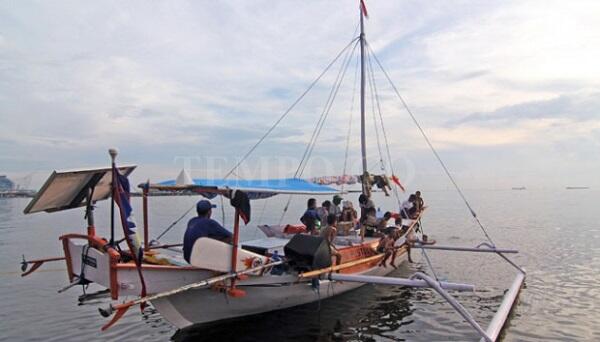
(508,91)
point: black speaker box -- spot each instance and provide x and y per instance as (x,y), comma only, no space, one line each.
(307,252)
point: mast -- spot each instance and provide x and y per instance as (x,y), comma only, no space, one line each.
(113,155)
(363,139)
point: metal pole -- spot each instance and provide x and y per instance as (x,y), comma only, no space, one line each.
(233,291)
(113,156)
(508,302)
(467,249)
(91,229)
(398,281)
(454,303)
(145,208)
(363,139)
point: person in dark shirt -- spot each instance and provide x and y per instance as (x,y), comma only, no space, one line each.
(311,218)
(203,226)
(370,223)
(382,223)
(365,203)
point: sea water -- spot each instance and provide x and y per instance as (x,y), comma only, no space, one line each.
(556,231)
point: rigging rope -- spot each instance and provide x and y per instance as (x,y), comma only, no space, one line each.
(324,114)
(329,105)
(437,156)
(175,222)
(289,109)
(387,144)
(381,163)
(350,120)
(430,264)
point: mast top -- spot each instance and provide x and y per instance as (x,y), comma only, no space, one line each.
(113,153)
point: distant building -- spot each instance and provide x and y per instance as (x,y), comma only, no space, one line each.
(6,184)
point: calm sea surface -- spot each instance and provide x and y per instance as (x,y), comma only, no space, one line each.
(557,232)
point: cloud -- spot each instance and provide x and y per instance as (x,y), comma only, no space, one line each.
(169,79)
(578,107)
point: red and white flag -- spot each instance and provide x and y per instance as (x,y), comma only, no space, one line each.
(363,8)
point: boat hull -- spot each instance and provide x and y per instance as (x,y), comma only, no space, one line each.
(207,305)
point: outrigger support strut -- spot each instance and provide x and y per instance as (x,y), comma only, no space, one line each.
(489,248)
(510,297)
(398,281)
(420,279)
(35,264)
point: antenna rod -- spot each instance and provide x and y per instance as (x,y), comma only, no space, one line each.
(363,139)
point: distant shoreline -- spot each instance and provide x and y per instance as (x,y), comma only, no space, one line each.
(18,194)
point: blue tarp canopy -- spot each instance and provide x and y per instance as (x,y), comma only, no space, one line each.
(261,188)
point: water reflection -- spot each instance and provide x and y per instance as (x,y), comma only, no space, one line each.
(365,312)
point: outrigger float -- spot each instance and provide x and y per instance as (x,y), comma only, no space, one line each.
(226,281)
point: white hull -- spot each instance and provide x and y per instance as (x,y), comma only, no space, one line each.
(275,293)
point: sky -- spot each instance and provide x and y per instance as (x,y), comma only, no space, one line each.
(507,91)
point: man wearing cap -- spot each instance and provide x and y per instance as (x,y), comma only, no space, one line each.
(203,226)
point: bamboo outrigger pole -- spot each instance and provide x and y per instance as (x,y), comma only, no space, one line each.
(312,274)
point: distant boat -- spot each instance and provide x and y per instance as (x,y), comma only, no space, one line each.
(577,187)
(519,188)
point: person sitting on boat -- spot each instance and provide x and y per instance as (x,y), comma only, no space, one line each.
(408,208)
(370,222)
(386,245)
(328,233)
(365,203)
(420,204)
(382,223)
(203,226)
(411,238)
(324,210)
(399,226)
(349,214)
(335,207)
(311,218)
(347,219)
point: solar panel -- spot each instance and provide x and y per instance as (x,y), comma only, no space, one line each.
(69,189)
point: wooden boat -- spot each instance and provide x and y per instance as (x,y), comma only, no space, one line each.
(278,272)
(91,258)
